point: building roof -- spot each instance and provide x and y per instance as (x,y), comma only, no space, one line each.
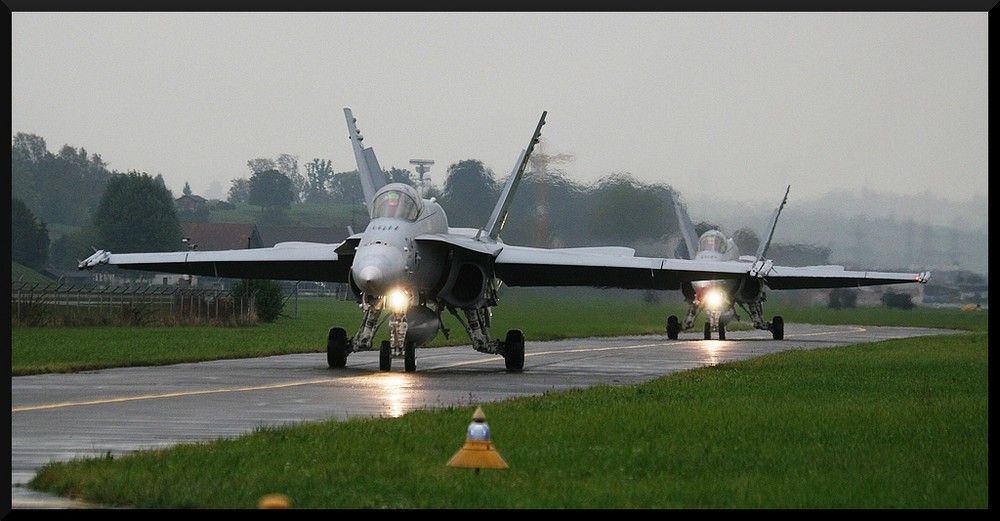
(196,198)
(222,236)
(238,236)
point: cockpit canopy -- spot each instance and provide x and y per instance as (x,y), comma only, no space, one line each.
(713,240)
(397,200)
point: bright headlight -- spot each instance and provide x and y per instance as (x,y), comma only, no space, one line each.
(714,299)
(398,301)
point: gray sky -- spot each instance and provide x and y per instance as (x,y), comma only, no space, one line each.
(736,103)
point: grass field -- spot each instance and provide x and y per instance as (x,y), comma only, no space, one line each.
(541,314)
(898,424)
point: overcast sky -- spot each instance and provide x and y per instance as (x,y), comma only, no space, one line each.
(740,104)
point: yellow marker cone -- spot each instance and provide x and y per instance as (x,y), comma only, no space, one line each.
(274,501)
(478,452)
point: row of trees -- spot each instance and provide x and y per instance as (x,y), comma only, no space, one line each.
(59,188)
(135,212)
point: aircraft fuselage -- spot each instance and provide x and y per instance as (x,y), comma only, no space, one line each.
(388,257)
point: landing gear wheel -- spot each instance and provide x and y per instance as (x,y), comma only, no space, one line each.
(385,356)
(409,357)
(722,332)
(673,327)
(708,331)
(336,348)
(778,328)
(513,351)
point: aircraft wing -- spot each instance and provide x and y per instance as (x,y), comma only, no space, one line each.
(593,266)
(608,268)
(820,277)
(289,261)
(604,267)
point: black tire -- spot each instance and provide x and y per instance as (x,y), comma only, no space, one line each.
(673,327)
(513,351)
(708,331)
(385,356)
(722,331)
(778,328)
(336,348)
(410,357)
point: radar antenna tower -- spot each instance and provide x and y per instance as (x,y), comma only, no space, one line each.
(423,166)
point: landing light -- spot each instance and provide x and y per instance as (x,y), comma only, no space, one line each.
(714,299)
(398,301)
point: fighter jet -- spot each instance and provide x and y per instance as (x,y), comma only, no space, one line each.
(409,266)
(717,298)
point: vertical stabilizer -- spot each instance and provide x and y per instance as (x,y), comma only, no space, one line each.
(687,227)
(499,215)
(372,176)
(769,232)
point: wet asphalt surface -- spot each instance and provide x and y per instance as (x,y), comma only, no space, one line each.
(59,417)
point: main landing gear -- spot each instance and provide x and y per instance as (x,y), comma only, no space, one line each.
(385,357)
(776,327)
(674,328)
(338,346)
(513,351)
(708,331)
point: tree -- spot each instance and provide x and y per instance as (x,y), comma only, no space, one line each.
(470,193)
(799,254)
(396,175)
(843,298)
(261,164)
(29,239)
(289,166)
(747,241)
(60,188)
(239,192)
(70,248)
(271,189)
(544,212)
(137,214)
(891,299)
(704,226)
(28,148)
(319,172)
(345,188)
(623,211)
(269,301)
(187,189)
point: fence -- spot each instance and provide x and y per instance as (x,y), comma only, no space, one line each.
(34,303)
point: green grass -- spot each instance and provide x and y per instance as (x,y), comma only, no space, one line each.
(894,424)
(898,424)
(541,314)
(315,215)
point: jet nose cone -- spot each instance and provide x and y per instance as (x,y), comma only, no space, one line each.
(377,268)
(370,279)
